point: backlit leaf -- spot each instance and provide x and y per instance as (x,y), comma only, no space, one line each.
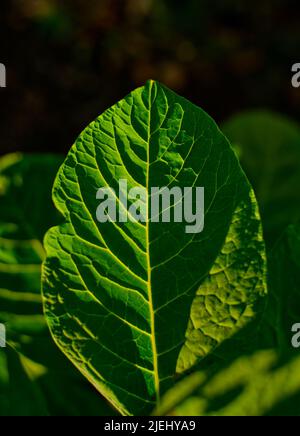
(133,304)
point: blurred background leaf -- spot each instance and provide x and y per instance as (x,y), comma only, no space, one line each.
(268,146)
(252,385)
(26,213)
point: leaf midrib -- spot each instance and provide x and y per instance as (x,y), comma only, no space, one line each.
(149,284)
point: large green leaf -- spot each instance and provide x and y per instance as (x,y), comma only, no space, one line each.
(134,304)
(262,378)
(269,148)
(35,378)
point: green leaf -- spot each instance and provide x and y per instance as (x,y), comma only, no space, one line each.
(119,296)
(269,149)
(262,378)
(35,378)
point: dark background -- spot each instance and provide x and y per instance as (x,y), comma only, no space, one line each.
(69,60)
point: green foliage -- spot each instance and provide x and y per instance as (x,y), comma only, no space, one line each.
(133,305)
(159,320)
(34,378)
(269,149)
